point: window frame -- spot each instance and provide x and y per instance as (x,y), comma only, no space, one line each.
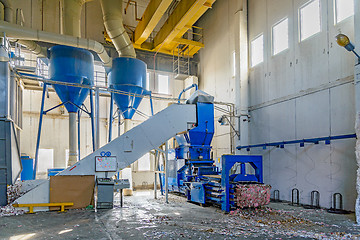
(251,50)
(300,24)
(273,39)
(158,85)
(336,13)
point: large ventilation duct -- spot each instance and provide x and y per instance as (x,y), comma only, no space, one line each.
(70,17)
(34,48)
(30,45)
(113,21)
(24,33)
(8,11)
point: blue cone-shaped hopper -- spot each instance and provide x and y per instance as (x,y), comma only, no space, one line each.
(72,65)
(128,75)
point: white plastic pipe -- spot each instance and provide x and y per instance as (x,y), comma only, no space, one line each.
(25,33)
(113,21)
(127,125)
(72,139)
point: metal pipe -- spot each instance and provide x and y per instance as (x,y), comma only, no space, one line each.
(186,89)
(78,132)
(111,116)
(70,17)
(166,172)
(97,119)
(156,168)
(327,140)
(151,105)
(119,122)
(72,139)
(31,45)
(113,22)
(8,10)
(127,125)
(39,130)
(92,119)
(19,32)
(34,47)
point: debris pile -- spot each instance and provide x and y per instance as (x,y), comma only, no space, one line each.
(9,210)
(252,195)
(13,193)
(273,223)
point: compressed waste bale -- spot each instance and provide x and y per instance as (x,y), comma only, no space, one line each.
(252,195)
(13,192)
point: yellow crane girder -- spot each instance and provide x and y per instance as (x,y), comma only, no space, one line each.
(151,17)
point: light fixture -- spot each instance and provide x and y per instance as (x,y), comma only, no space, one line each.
(223,120)
(344,41)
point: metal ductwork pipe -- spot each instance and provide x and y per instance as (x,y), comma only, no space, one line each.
(19,32)
(30,45)
(8,11)
(72,139)
(34,48)
(70,17)
(113,21)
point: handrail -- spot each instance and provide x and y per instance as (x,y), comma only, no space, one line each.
(301,141)
(186,89)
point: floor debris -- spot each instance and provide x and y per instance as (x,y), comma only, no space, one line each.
(143,217)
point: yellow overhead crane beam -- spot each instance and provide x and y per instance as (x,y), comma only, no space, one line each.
(181,19)
(151,17)
(193,45)
(208,4)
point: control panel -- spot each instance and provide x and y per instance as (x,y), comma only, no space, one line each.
(121,184)
(105,164)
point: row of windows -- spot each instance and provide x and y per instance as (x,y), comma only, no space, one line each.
(162,82)
(309,24)
(46,160)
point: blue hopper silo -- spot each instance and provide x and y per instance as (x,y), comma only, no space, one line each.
(73,66)
(128,75)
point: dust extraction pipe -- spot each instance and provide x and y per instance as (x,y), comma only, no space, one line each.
(9,17)
(34,48)
(113,21)
(70,17)
(8,11)
(19,32)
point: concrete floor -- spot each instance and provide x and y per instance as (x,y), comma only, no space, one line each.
(146,218)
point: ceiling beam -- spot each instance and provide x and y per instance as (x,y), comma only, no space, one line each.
(188,42)
(208,4)
(178,19)
(151,17)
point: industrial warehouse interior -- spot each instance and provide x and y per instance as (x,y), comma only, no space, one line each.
(179,119)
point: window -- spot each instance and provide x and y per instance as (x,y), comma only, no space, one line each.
(280,36)
(344,9)
(163,84)
(234,63)
(99,75)
(257,50)
(147,81)
(46,160)
(310,19)
(144,163)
